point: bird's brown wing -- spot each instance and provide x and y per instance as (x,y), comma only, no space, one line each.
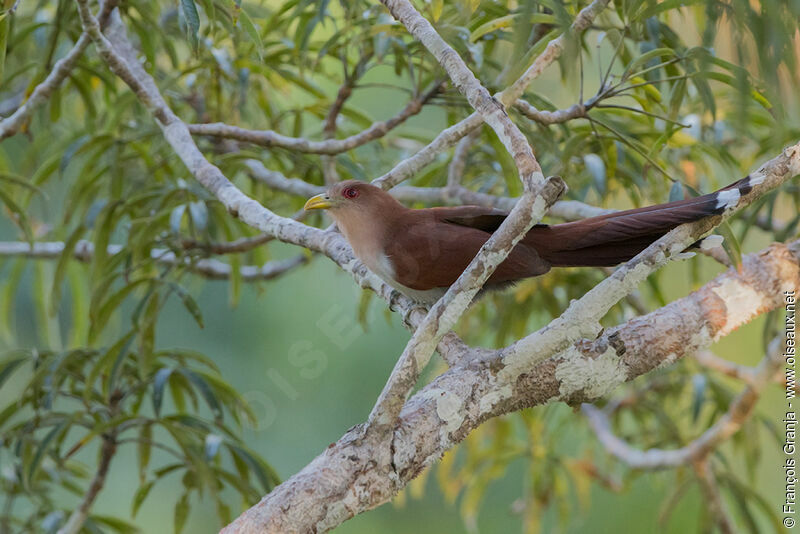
(485,219)
(429,251)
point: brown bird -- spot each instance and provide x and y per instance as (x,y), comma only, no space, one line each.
(421,252)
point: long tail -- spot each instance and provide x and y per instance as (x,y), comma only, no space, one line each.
(615,238)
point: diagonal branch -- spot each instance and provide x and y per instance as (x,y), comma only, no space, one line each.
(581,318)
(491,110)
(63,67)
(78,516)
(353,475)
(450,136)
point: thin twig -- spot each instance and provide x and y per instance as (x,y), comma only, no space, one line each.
(78,516)
(269,138)
(208,268)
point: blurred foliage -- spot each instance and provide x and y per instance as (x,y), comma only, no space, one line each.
(685,97)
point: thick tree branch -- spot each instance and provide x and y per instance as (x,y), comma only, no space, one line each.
(364,469)
(581,318)
(350,477)
(698,449)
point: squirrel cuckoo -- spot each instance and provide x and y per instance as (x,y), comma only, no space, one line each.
(421,252)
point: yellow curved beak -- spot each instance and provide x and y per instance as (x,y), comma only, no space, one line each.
(319,202)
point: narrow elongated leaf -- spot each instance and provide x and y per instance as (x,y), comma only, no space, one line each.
(10,365)
(140,495)
(41,449)
(61,268)
(20,216)
(252,31)
(160,380)
(189,303)
(205,391)
(5,23)
(181,512)
(189,10)
(143,448)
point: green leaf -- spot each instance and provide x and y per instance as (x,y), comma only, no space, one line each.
(21,216)
(264,472)
(5,24)
(189,303)
(33,467)
(103,227)
(731,244)
(18,179)
(436,9)
(61,268)
(189,10)
(205,391)
(652,8)
(140,496)
(159,382)
(7,367)
(115,524)
(646,57)
(181,512)
(597,169)
(252,31)
(676,192)
(103,313)
(508,20)
(143,448)
(699,385)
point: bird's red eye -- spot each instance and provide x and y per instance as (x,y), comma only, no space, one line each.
(350,192)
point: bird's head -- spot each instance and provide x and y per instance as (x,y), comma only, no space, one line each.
(351,197)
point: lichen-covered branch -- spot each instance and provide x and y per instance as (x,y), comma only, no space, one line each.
(581,318)
(357,473)
(698,449)
(367,467)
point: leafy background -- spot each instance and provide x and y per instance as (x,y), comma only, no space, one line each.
(303,358)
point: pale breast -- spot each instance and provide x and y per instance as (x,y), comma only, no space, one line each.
(368,247)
